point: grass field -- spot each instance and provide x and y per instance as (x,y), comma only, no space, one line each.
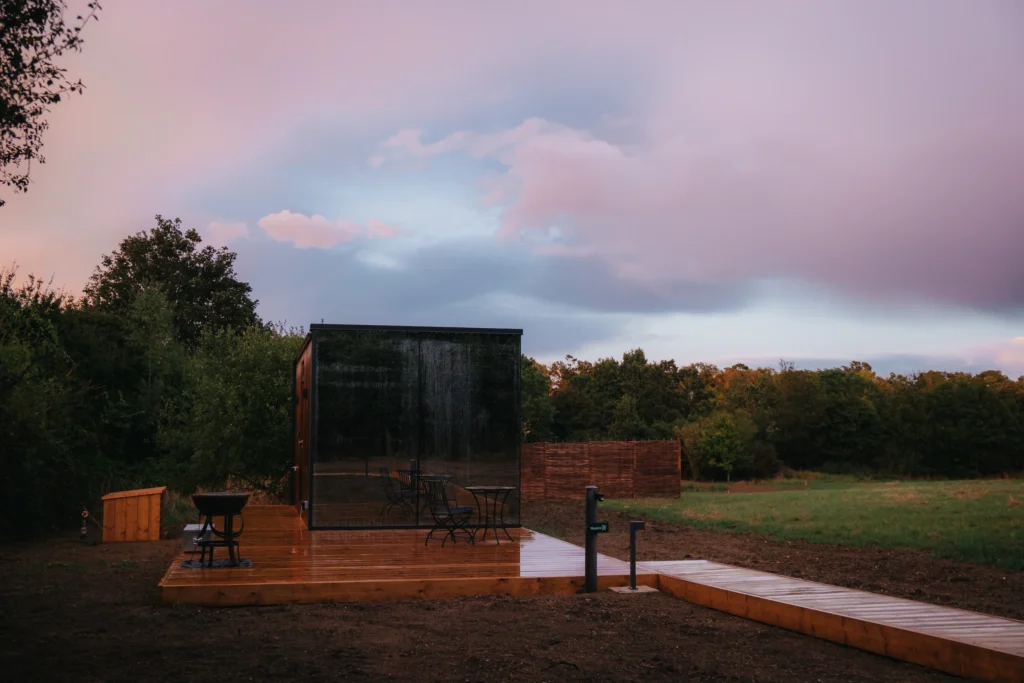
(976,521)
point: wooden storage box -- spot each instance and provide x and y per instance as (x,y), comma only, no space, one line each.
(189,536)
(132,515)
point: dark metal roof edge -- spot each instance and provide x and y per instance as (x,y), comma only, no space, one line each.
(413,328)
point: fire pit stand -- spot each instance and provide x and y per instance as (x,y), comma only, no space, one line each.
(226,505)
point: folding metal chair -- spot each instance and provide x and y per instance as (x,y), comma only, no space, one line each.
(448,516)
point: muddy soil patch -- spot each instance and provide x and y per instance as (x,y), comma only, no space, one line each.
(89,614)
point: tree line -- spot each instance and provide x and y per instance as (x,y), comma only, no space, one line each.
(752,422)
(163,373)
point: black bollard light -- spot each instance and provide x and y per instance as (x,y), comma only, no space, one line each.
(593,528)
(634,526)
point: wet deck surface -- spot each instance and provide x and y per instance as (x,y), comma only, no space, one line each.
(293,564)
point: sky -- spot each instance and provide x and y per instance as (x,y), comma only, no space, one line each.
(719,181)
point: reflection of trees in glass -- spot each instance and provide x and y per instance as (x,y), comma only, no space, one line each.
(496,361)
(448,398)
(366,395)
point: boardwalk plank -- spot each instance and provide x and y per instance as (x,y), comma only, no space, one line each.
(953,640)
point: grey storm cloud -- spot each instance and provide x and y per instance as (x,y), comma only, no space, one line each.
(457,284)
(450,273)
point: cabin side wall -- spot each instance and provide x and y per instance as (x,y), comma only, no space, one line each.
(301,473)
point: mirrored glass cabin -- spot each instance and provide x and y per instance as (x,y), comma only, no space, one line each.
(382,411)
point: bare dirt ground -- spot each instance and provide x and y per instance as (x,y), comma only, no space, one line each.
(88,613)
(893,571)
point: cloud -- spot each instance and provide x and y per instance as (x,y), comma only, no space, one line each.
(788,152)
(483,285)
(150,132)
(316,231)
(939,219)
(379,260)
(459,277)
(220,234)
(1012,353)
(640,161)
(378,230)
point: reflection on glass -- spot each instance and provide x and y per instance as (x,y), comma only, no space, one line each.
(390,405)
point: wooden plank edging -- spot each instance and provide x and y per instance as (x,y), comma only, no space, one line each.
(276,593)
(948,655)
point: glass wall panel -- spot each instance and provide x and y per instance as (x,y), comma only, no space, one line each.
(392,405)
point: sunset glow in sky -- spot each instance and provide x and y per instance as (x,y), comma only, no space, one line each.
(710,181)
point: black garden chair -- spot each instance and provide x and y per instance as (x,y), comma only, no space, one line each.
(447,514)
(396,494)
(409,482)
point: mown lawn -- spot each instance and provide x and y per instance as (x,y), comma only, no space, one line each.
(976,521)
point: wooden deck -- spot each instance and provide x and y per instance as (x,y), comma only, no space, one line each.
(956,641)
(293,564)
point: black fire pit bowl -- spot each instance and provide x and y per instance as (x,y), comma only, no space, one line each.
(220,504)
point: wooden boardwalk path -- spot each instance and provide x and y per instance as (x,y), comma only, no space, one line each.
(956,641)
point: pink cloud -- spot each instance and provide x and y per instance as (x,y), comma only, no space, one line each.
(765,140)
(1006,355)
(378,230)
(317,231)
(220,234)
(790,152)
(149,129)
(563,250)
(1012,353)
(308,231)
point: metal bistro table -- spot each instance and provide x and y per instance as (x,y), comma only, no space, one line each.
(493,510)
